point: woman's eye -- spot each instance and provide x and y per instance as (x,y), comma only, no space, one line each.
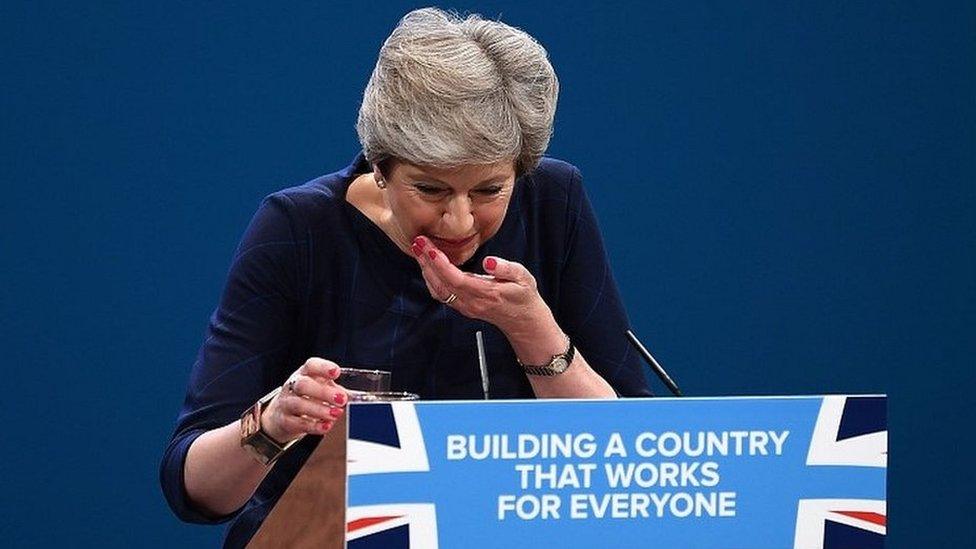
(428,189)
(490,191)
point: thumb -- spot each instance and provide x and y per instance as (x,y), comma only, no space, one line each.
(504,269)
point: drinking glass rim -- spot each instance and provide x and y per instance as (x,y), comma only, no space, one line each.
(382,396)
(344,370)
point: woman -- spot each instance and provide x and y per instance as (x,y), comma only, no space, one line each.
(450,222)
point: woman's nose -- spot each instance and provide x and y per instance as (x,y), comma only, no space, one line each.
(458,217)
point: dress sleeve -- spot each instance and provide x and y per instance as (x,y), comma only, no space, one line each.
(247,346)
(590,310)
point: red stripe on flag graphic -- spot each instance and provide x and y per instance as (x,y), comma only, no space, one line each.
(368,521)
(873,518)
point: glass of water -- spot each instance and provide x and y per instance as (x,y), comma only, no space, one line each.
(357,381)
(370,386)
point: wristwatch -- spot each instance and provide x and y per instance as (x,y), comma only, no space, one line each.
(253,437)
(559,363)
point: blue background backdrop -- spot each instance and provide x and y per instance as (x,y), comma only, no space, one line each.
(787,193)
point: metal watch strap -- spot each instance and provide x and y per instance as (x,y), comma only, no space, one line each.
(550,370)
(255,440)
(264,448)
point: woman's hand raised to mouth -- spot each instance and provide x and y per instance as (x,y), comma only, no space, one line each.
(506,297)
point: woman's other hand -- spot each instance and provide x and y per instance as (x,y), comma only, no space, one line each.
(309,402)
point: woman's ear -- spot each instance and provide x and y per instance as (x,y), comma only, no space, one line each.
(378,176)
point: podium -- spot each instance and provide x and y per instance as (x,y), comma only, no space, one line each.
(738,472)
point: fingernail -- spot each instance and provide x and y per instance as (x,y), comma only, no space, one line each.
(340,398)
(419,242)
(335,412)
(490,264)
(417,249)
(432,254)
(326,425)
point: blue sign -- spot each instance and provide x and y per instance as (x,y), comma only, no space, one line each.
(778,472)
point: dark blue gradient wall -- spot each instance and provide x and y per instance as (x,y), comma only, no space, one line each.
(787,194)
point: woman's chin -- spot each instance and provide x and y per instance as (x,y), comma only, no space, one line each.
(460,257)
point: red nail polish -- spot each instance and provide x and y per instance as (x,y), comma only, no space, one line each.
(490,264)
(416,248)
(419,243)
(432,254)
(339,398)
(335,412)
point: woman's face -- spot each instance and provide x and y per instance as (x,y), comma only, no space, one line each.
(458,209)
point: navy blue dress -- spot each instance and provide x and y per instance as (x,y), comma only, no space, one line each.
(313,276)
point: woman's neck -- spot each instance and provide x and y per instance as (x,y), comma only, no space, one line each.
(367,197)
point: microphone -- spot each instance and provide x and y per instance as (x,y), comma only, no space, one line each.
(482,362)
(642,351)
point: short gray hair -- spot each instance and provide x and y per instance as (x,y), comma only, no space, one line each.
(448,91)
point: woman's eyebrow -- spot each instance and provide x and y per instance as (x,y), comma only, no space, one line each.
(420,177)
(497,179)
(425,178)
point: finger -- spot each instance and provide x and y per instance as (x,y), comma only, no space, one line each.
(443,278)
(320,367)
(418,245)
(504,269)
(438,263)
(426,254)
(314,427)
(296,426)
(309,408)
(437,289)
(451,279)
(315,388)
(335,372)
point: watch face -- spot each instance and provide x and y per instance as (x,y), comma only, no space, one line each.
(559,365)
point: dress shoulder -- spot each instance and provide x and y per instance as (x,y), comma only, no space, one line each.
(556,173)
(313,203)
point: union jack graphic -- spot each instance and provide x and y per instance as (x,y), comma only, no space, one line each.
(386,438)
(395,526)
(850,431)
